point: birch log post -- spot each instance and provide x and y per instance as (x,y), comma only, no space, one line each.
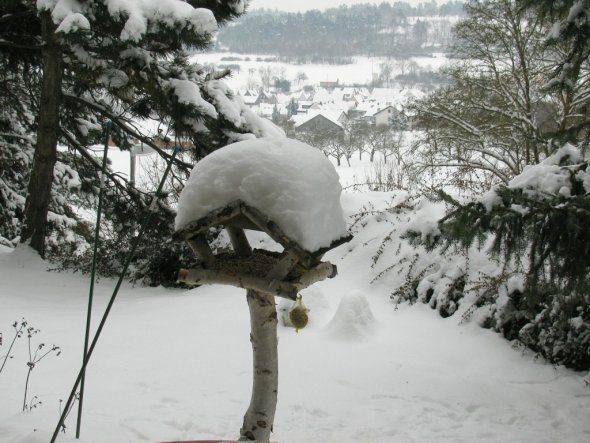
(259,417)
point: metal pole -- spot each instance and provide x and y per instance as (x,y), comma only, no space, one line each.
(132,158)
(108,125)
(128,259)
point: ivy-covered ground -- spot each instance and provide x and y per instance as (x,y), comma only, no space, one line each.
(176,364)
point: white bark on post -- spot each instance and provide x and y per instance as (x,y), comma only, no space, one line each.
(259,417)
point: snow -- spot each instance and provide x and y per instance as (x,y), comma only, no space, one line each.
(176,364)
(576,9)
(188,93)
(353,319)
(139,15)
(548,176)
(220,93)
(114,78)
(73,22)
(292,183)
(306,5)
(360,71)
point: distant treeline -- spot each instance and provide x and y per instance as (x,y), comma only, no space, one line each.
(337,34)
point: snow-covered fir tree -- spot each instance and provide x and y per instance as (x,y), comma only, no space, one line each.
(72,65)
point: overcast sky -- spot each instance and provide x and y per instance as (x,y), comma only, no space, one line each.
(304,5)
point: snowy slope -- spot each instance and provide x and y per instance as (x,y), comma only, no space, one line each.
(176,364)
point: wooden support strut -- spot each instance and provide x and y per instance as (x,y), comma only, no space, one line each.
(279,288)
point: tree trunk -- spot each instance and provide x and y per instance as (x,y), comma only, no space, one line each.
(39,188)
(259,417)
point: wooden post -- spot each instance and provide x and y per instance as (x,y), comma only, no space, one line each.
(259,418)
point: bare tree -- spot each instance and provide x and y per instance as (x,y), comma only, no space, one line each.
(496,117)
(300,77)
(402,65)
(386,72)
(251,80)
(266,75)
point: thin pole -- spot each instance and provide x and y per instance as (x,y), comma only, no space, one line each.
(108,125)
(128,259)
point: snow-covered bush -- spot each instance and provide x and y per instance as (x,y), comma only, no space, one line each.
(402,259)
(536,226)
(515,260)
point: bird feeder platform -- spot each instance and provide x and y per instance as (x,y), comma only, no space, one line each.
(281,274)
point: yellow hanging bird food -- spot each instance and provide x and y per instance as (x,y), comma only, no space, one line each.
(298,314)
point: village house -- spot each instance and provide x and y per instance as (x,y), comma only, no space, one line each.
(385,116)
(324,121)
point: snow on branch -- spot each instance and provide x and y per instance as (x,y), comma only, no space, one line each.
(139,16)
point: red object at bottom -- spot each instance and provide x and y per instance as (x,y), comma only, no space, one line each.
(201,441)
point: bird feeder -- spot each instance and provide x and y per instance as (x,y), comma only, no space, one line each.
(288,190)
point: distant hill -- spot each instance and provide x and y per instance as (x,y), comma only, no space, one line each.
(337,34)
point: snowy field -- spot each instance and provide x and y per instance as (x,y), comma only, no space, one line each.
(359,72)
(176,364)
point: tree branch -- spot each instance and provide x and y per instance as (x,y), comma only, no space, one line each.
(117,119)
(289,290)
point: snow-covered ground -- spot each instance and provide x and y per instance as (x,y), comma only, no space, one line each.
(176,364)
(359,72)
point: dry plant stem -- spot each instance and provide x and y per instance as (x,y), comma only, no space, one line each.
(259,417)
(16,335)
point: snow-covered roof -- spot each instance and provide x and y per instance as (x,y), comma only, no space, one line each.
(335,116)
(294,184)
(283,98)
(393,96)
(322,95)
(370,108)
(385,109)
(250,99)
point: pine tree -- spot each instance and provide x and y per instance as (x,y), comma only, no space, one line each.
(538,226)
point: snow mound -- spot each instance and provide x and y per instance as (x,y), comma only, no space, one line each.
(294,184)
(353,319)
